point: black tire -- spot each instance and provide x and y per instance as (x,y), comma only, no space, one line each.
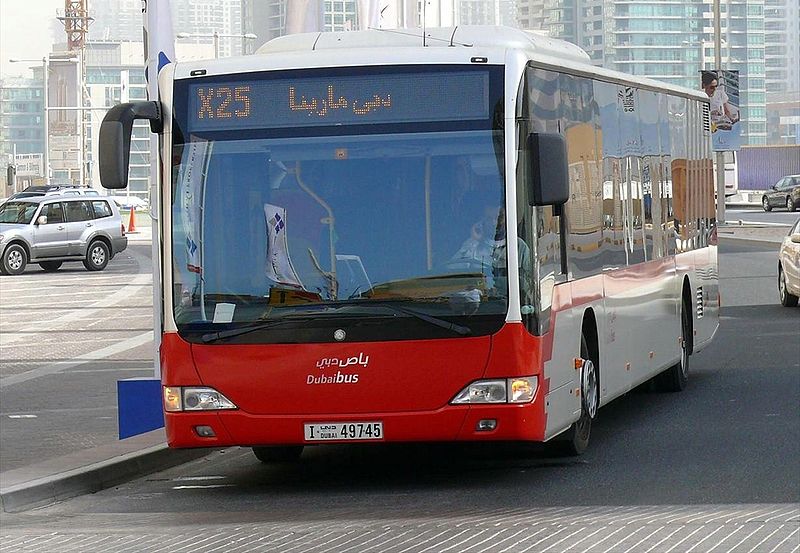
(789,203)
(765,204)
(278,454)
(787,298)
(675,378)
(50,266)
(97,256)
(575,441)
(15,259)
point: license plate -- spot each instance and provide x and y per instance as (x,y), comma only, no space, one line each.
(320,432)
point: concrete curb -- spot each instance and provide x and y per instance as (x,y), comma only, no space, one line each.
(92,477)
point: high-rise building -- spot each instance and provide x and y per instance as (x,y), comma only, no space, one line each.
(487,12)
(782,45)
(669,41)
(21,122)
(119,20)
(21,115)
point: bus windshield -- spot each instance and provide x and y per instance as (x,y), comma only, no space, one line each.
(395,229)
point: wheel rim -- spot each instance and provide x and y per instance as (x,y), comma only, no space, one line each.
(789,204)
(98,256)
(765,202)
(685,345)
(14,260)
(782,286)
(589,388)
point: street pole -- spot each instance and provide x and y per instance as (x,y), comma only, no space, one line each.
(46,156)
(216,45)
(14,163)
(79,118)
(720,161)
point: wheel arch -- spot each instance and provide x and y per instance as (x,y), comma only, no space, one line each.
(19,242)
(104,239)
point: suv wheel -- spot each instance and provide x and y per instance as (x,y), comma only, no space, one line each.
(765,204)
(14,260)
(96,256)
(50,266)
(789,203)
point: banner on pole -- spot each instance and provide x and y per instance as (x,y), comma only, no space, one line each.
(722,88)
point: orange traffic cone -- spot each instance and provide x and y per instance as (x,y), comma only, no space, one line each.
(132,223)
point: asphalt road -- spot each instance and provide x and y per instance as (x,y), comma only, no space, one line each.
(65,339)
(756,215)
(714,468)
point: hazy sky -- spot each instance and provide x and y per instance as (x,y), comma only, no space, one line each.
(26,31)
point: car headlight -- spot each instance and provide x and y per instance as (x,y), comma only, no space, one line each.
(178,398)
(509,390)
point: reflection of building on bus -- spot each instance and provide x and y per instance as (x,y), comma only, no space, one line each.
(309,291)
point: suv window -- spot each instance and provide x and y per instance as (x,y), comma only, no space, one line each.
(78,211)
(101,209)
(17,212)
(54,213)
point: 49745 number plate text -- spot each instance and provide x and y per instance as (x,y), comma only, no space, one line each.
(343,431)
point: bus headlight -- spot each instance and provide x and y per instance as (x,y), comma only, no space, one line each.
(510,390)
(195,399)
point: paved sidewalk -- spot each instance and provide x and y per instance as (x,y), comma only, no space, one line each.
(757,232)
(89,471)
(97,468)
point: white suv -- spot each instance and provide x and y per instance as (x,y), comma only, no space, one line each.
(50,230)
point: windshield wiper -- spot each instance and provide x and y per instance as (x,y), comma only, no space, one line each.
(222,334)
(230,333)
(458,329)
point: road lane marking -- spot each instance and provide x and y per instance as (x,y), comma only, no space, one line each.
(137,283)
(54,368)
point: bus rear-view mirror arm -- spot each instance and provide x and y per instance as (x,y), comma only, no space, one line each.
(115,139)
(548,169)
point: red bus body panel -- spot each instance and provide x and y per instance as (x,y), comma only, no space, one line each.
(407,385)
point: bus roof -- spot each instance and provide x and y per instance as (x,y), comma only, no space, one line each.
(347,47)
(463,35)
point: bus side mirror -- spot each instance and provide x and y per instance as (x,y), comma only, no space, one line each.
(549,184)
(115,139)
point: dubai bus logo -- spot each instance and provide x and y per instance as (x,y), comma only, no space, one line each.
(339,377)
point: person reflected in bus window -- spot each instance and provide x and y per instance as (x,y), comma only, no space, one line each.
(485,250)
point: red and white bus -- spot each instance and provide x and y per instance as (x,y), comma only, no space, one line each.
(334,217)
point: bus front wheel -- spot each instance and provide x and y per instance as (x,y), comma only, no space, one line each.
(278,454)
(576,440)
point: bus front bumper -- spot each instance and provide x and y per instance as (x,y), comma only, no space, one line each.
(502,422)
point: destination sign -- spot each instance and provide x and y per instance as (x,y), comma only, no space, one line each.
(345,100)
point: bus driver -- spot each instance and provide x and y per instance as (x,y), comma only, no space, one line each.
(485,250)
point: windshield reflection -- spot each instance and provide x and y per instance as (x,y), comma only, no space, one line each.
(20,213)
(268,228)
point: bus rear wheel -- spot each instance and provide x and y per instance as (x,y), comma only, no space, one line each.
(675,378)
(278,454)
(576,440)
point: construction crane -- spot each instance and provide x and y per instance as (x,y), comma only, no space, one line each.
(76,22)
